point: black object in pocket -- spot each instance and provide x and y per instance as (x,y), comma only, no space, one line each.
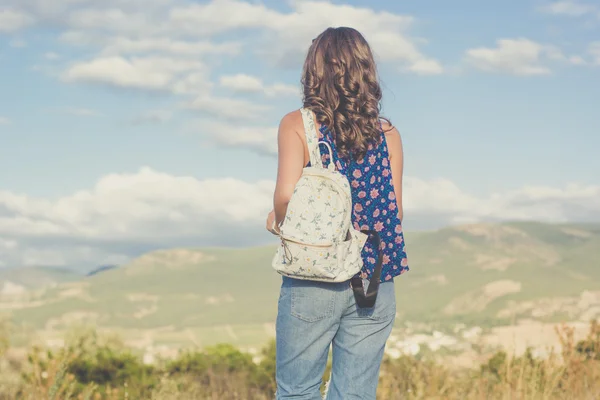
(368,299)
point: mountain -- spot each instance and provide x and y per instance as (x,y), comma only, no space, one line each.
(101,269)
(36,277)
(464,281)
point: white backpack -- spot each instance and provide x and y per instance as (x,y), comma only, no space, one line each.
(318,241)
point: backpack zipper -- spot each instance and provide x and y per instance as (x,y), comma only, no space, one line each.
(305,244)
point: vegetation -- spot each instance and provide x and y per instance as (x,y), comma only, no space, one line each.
(94,367)
(209,295)
(476,276)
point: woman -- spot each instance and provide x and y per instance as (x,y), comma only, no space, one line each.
(341,88)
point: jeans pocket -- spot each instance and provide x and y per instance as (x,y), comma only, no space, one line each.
(385,306)
(311,301)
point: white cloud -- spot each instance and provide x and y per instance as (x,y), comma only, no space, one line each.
(285,34)
(594,51)
(195,83)
(82,112)
(227,108)
(426,67)
(555,54)
(125,214)
(152,117)
(288,34)
(385,32)
(124,45)
(250,84)
(568,8)
(577,60)
(242,83)
(77,111)
(280,89)
(513,56)
(172,46)
(83,38)
(111,20)
(17,43)
(12,20)
(220,16)
(4,121)
(119,72)
(261,140)
(51,56)
(154,73)
(445,201)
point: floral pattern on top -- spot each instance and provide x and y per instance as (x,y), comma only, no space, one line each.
(374,205)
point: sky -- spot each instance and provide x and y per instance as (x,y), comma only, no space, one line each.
(133,125)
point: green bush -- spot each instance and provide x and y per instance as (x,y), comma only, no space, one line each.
(113,368)
(90,367)
(590,347)
(225,359)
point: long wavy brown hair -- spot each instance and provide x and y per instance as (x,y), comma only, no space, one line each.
(341,86)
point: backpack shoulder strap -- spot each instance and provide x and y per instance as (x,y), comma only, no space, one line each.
(312,138)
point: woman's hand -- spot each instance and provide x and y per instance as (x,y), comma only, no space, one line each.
(271,225)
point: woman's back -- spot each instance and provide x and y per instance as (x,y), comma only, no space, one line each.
(374,194)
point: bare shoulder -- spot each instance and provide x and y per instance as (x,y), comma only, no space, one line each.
(393,139)
(291,128)
(291,125)
(291,120)
(390,131)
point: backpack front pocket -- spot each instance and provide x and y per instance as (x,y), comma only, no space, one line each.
(323,262)
(303,261)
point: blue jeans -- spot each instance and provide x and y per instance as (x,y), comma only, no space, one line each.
(314,315)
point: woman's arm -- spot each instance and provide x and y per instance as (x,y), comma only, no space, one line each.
(396,152)
(290,162)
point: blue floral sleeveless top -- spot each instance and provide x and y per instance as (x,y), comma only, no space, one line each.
(374,205)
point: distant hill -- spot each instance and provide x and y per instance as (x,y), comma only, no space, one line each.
(101,269)
(482,275)
(37,277)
